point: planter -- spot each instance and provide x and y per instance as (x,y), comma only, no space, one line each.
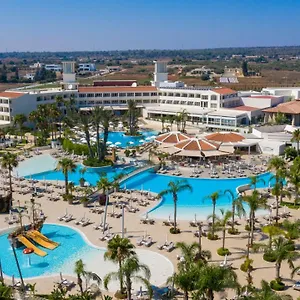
(223,251)
(172,230)
(277,285)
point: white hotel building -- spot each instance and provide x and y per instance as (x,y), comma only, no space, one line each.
(212,107)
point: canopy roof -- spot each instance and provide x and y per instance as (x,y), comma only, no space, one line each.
(195,144)
(172,137)
(225,137)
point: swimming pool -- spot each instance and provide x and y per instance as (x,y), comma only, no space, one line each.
(91,175)
(42,167)
(74,246)
(124,141)
(189,203)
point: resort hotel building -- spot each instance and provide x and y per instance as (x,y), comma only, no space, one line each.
(210,107)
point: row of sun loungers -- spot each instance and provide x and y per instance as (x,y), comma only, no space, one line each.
(107,236)
(101,225)
(66,218)
(167,246)
(145,241)
(83,222)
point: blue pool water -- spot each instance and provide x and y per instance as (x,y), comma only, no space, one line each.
(91,175)
(72,245)
(189,203)
(72,248)
(120,137)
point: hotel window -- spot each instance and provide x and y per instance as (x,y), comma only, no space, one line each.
(198,95)
(82,95)
(98,95)
(52,97)
(146,94)
(114,94)
(163,101)
(65,96)
(91,102)
(204,97)
(169,102)
(182,102)
(213,97)
(106,102)
(170,94)
(154,101)
(176,102)
(138,94)
(106,95)
(139,101)
(90,95)
(130,94)
(177,95)
(122,94)
(197,103)
(190,103)
(213,105)
(204,104)
(160,93)
(37,99)
(122,101)
(146,101)
(191,95)
(153,94)
(184,95)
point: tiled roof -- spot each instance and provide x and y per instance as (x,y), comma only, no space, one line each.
(11,95)
(116,89)
(197,145)
(225,137)
(224,91)
(292,107)
(171,137)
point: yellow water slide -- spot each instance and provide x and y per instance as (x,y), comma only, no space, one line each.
(41,239)
(28,244)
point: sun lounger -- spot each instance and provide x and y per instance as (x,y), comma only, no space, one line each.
(86,223)
(167,223)
(169,247)
(78,222)
(148,242)
(161,246)
(109,237)
(69,218)
(140,241)
(103,236)
(62,217)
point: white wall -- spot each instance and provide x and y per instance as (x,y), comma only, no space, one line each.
(262,102)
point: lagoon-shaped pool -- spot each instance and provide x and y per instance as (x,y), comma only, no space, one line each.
(74,246)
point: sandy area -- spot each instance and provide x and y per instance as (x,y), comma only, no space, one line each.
(159,233)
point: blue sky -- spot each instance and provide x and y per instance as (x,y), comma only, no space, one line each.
(54,25)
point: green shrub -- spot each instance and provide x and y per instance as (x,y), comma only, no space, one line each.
(277,285)
(212,237)
(291,246)
(223,251)
(247,227)
(269,256)
(78,149)
(172,230)
(247,265)
(95,163)
(233,231)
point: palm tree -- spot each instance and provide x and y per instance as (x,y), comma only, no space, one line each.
(292,229)
(163,120)
(213,278)
(282,251)
(255,202)
(213,197)
(174,188)
(19,120)
(236,208)
(79,270)
(6,292)
(188,252)
(8,162)
(185,279)
(66,165)
(118,249)
(222,222)
(254,180)
(271,231)
(266,293)
(294,178)
(296,138)
(129,271)
(132,117)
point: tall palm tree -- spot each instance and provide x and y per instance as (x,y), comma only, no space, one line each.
(282,251)
(214,198)
(188,252)
(292,229)
(271,231)
(237,208)
(79,271)
(132,117)
(66,165)
(174,188)
(294,178)
(254,180)
(296,138)
(130,271)
(255,202)
(19,120)
(213,278)
(266,293)
(118,249)
(8,162)
(185,279)
(222,222)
